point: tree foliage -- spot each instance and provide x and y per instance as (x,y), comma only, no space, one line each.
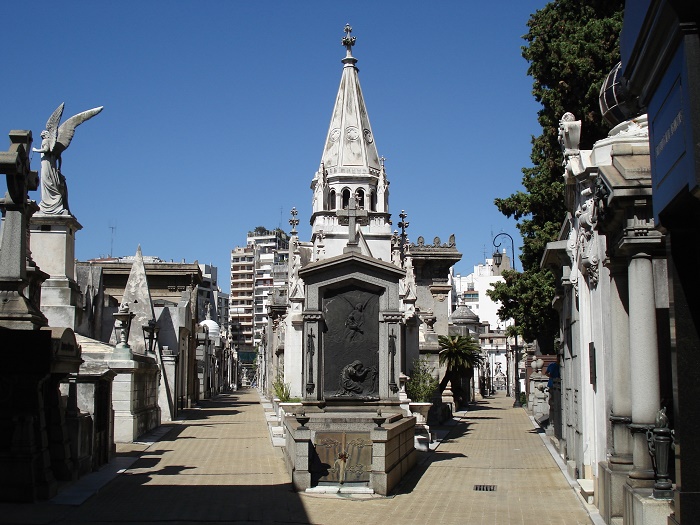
(571,47)
(422,384)
(459,355)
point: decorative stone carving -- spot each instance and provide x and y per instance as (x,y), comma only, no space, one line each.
(55,140)
(437,243)
(569,138)
(586,250)
(356,380)
(296,286)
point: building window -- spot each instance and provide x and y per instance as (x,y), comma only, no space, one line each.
(346,198)
(331,200)
(361,199)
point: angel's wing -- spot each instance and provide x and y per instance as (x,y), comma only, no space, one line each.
(52,125)
(67,129)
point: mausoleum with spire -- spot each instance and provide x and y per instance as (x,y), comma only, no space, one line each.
(352,326)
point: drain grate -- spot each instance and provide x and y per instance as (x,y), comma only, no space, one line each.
(485,488)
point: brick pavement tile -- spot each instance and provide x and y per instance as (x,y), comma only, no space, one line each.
(218,466)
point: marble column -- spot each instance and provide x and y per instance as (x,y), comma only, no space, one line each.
(644,362)
(621,402)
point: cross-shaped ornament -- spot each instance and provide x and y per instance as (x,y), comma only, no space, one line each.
(352,216)
(294,222)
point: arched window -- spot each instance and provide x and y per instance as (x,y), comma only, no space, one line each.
(346,198)
(361,199)
(331,200)
(373,200)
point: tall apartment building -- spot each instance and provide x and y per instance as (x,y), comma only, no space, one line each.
(255,270)
(241,298)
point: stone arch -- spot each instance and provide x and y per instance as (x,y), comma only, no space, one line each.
(345,198)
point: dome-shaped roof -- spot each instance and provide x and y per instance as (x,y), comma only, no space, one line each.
(214,330)
(614,99)
(463,315)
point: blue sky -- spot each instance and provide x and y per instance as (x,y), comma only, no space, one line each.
(216,114)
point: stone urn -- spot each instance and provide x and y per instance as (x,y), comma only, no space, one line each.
(420,411)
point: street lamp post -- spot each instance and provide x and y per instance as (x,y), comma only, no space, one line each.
(497,259)
(497,255)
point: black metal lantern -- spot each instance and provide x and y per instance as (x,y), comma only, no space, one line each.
(150,336)
(497,258)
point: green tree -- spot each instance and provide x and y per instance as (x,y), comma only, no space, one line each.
(571,47)
(422,384)
(460,355)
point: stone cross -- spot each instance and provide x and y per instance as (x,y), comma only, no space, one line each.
(348,41)
(14,163)
(353,216)
(294,222)
(19,308)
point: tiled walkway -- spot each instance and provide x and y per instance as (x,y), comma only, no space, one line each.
(218,466)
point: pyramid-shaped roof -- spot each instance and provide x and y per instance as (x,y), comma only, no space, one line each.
(350,146)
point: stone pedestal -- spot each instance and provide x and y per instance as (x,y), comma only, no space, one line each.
(168,365)
(612,480)
(642,509)
(134,398)
(539,397)
(345,449)
(53,249)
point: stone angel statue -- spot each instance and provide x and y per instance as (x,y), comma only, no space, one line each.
(55,140)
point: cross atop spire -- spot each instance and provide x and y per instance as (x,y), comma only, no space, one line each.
(294,222)
(348,41)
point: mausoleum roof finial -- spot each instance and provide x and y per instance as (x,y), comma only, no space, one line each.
(348,41)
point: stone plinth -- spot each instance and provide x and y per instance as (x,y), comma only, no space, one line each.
(134,397)
(53,249)
(642,509)
(392,448)
(612,480)
(168,388)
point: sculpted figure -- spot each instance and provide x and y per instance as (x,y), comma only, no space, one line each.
(54,141)
(352,378)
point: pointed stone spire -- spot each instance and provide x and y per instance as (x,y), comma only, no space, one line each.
(138,296)
(350,147)
(350,170)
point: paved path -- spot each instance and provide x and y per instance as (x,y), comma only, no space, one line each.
(218,466)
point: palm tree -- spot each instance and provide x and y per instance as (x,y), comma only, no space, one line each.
(460,355)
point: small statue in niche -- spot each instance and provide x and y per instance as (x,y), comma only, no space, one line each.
(353,377)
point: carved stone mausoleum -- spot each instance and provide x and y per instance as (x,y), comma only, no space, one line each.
(345,331)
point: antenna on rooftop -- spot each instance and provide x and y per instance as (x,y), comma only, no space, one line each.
(111,240)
